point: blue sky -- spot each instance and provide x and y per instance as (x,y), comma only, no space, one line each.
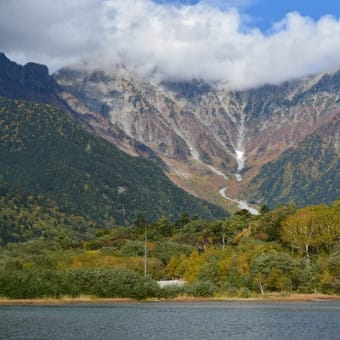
(265,12)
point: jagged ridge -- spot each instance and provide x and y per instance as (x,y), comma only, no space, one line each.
(192,125)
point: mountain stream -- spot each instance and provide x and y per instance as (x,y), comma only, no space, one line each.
(240,203)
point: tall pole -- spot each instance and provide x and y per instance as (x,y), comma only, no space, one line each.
(145,251)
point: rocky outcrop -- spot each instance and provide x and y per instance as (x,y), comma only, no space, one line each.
(29,82)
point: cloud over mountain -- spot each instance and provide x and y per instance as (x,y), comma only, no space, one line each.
(169,41)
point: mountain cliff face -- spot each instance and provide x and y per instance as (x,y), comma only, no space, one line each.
(208,136)
(213,142)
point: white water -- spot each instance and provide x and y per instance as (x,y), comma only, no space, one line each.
(239,149)
(240,159)
(241,204)
(240,164)
(194,153)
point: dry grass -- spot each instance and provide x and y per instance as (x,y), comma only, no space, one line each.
(273,297)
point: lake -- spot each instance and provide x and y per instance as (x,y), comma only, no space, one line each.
(173,320)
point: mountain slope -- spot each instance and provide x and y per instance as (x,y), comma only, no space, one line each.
(43,151)
(203,132)
(206,137)
(32,82)
(308,173)
(25,216)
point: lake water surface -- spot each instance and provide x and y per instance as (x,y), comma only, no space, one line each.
(173,320)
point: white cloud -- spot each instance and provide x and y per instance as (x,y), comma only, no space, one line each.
(181,42)
(47,31)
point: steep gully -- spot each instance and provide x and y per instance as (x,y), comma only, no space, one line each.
(239,155)
(240,159)
(240,203)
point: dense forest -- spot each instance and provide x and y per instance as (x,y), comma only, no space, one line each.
(284,250)
(42,151)
(24,217)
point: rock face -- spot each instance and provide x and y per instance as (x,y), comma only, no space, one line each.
(29,82)
(205,136)
(197,128)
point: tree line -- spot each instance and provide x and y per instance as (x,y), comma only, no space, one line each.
(285,250)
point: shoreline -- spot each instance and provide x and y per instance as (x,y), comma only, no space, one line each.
(95,300)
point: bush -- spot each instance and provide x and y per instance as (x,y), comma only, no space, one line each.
(201,289)
(110,283)
(32,283)
(170,292)
(107,283)
(244,293)
(228,289)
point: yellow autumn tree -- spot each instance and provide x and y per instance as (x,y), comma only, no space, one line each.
(312,227)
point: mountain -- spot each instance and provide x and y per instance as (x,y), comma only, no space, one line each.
(309,172)
(213,142)
(210,137)
(32,82)
(29,82)
(43,151)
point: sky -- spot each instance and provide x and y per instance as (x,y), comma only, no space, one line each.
(244,43)
(266,12)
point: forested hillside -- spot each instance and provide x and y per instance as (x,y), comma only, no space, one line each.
(43,151)
(286,250)
(308,173)
(25,217)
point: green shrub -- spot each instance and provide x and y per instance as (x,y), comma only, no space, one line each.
(201,289)
(32,283)
(170,292)
(109,283)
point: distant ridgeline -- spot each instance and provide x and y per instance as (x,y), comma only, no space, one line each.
(43,151)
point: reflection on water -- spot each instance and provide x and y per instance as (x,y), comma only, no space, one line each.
(207,320)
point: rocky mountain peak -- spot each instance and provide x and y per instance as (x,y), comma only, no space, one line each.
(30,82)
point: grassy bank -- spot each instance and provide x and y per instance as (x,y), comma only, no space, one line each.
(272,297)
